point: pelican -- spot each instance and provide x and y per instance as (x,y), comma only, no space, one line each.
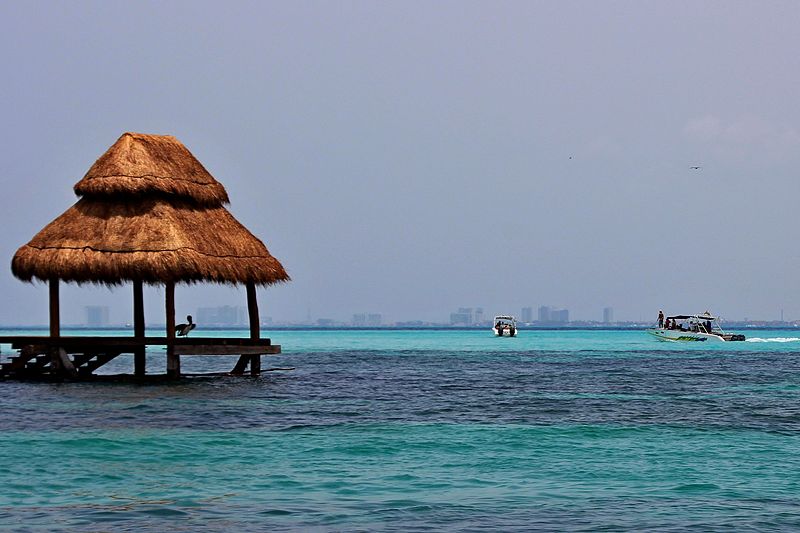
(183,329)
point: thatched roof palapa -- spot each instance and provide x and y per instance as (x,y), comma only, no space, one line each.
(150,212)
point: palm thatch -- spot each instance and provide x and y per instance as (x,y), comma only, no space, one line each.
(153,229)
(140,164)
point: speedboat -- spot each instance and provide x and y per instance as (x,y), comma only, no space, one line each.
(693,328)
(505,326)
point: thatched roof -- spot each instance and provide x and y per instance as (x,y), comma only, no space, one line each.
(147,228)
(140,164)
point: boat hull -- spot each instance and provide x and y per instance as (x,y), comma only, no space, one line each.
(675,335)
(682,336)
(505,332)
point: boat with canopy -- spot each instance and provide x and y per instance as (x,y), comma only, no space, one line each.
(505,326)
(693,328)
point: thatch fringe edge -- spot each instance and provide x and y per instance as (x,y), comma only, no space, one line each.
(107,268)
(155,251)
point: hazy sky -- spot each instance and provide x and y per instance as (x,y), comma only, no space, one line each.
(409,158)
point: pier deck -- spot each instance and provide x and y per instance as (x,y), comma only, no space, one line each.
(47,357)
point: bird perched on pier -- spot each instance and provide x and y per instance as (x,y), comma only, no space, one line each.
(183,329)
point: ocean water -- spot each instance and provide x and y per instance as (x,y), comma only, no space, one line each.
(420,430)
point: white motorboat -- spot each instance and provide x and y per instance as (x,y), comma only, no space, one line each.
(693,328)
(505,326)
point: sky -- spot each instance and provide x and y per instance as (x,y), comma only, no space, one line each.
(409,158)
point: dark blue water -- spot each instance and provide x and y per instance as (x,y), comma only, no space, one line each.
(374,430)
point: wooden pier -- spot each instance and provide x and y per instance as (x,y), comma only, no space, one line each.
(76,358)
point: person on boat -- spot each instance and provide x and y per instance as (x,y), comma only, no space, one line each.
(668,324)
(660,318)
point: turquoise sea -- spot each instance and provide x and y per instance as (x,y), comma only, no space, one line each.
(556,430)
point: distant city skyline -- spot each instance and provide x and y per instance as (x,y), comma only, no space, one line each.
(236,316)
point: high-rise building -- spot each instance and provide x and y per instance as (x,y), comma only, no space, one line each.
(367,319)
(225,315)
(97,316)
(559,316)
(553,315)
(544,314)
(527,314)
(608,315)
(463,317)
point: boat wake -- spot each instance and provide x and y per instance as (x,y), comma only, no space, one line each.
(775,339)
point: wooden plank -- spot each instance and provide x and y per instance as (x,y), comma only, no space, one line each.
(91,342)
(37,365)
(224,341)
(83,357)
(99,361)
(17,363)
(214,349)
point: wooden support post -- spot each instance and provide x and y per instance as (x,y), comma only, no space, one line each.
(138,309)
(173,360)
(241,365)
(55,319)
(139,358)
(255,333)
(58,358)
(61,363)
(252,311)
(255,326)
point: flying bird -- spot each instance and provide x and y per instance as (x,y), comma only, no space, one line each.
(183,329)
(695,168)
